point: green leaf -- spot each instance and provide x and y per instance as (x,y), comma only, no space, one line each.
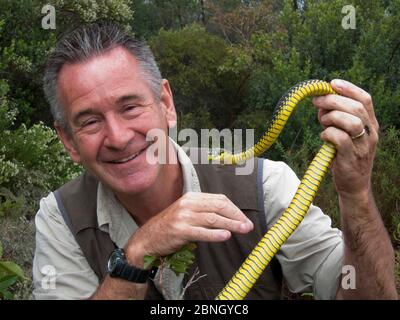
(12,269)
(178,261)
(181,260)
(7,295)
(1,250)
(150,261)
(7,282)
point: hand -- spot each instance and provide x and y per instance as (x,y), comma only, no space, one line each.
(344,117)
(193,217)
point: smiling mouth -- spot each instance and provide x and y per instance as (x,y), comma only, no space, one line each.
(130,158)
(127,159)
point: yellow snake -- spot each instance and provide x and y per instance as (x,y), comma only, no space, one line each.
(255,264)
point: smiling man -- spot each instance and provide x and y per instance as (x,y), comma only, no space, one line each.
(106,95)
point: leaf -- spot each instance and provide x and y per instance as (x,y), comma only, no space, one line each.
(150,261)
(1,250)
(12,268)
(178,261)
(181,260)
(7,282)
(7,295)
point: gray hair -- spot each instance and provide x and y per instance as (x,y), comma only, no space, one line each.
(88,41)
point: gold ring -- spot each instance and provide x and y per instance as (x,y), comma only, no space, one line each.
(359,135)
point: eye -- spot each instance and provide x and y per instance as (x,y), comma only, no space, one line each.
(89,123)
(129,108)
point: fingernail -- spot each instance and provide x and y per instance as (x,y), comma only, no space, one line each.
(339,83)
(247,226)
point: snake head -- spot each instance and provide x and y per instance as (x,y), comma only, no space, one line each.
(221,156)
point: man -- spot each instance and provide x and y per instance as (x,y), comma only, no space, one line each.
(107,95)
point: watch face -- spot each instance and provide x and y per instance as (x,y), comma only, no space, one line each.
(115,259)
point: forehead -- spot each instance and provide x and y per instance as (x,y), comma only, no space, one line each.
(113,73)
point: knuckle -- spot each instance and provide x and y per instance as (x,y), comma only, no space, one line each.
(342,138)
(375,138)
(358,124)
(211,218)
(359,107)
(222,197)
(182,215)
(367,98)
(221,204)
(184,202)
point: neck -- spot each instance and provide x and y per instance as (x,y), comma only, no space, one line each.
(155,199)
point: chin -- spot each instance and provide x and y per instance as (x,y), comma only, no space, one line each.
(136,183)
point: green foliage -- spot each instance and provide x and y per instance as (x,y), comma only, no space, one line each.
(153,15)
(191,59)
(178,261)
(10,273)
(32,161)
(386,181)
(75,12)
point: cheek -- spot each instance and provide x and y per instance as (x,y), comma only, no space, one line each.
(88,147)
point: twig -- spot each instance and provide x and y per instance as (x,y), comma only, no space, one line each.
(191,281)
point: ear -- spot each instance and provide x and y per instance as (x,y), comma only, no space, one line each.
(167,103)
(68,142)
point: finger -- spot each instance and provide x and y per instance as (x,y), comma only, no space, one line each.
(321,113)
(339,138)
(216,221)
(345,121)
(335,102)
(208,235)
(217,203)
(351,91)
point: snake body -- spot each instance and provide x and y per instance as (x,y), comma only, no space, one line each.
(254,265)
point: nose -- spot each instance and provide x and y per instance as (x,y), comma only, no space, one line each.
(118,134)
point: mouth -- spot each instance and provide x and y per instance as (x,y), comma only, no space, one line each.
(129,158)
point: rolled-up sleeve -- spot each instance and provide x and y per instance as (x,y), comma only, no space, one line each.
(60,270)
(311,259)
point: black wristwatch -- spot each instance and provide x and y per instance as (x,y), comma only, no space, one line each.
(118,267)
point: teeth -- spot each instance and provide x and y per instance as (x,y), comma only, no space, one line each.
(127,159)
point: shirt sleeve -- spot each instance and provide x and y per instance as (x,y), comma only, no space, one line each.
(60,270)
(311,258)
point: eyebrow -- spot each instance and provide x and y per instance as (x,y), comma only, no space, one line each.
(120,100)
(129,97)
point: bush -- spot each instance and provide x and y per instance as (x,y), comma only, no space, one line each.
(10,273)
(32,161)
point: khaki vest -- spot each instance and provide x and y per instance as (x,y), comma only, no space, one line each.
(219,261)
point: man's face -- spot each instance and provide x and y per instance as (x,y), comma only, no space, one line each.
(110,108)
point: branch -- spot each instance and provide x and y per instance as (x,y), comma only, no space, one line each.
(193,279)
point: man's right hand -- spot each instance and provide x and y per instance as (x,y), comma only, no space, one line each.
(193,217)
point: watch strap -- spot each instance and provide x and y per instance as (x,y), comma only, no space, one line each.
(129,272)
(137,275)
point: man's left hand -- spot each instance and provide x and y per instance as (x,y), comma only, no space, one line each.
(350,124)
